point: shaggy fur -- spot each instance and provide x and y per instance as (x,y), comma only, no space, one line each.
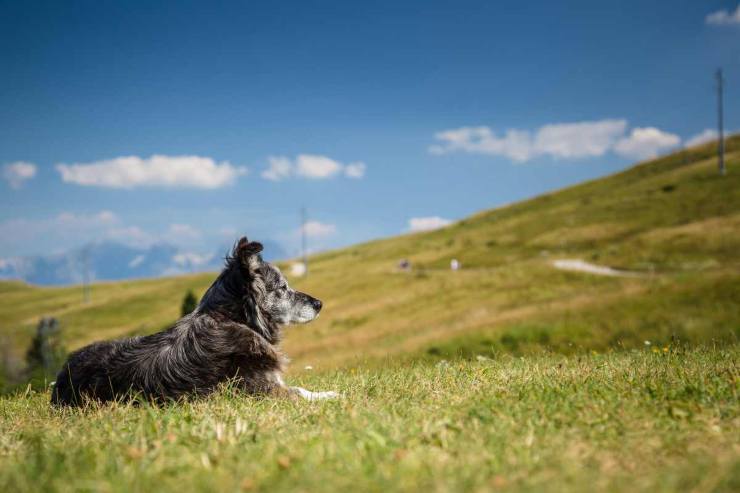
(232,335)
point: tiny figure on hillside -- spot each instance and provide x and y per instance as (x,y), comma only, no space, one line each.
(404,265)
(455,264)
(298,269)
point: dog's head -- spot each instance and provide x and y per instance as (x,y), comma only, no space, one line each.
(272,300)
(253,292)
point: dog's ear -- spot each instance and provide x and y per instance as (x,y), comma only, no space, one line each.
(248,253)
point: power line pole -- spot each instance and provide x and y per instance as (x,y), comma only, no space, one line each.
(304,254)
(720,125)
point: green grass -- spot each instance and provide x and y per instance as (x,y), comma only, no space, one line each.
(632,420)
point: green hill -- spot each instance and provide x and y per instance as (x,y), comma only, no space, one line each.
(673,220)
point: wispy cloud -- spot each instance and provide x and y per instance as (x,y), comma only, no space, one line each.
(55,232)
(724,17)
(557,140)
(316,229)
(69,230)
(354,170)
(180,233)
(645,143)
(128,235)
(18,173)
(86,221)
(316,167)
(155,171)
(279,168)
(429,223)
(228,231)
(706,135)
(192,260)
(310,166)
(137,261)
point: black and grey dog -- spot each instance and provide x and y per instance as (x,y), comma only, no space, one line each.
(232,335)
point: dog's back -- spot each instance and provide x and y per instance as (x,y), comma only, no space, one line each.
(193,357)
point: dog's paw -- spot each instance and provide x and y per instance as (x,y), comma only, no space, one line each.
(316,396)
(329,394)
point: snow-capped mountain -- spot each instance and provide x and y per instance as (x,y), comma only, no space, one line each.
(115,261)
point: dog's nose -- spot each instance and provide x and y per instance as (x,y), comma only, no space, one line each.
(316,304)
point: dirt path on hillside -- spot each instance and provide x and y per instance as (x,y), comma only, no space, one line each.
(579,265)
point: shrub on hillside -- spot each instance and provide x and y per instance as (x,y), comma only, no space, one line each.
(189,303)
(46,354)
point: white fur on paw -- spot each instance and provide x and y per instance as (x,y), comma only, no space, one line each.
(315,396)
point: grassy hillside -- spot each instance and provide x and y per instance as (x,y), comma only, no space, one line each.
(674,219)
(628,421)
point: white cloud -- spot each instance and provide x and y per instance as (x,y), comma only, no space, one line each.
(280,168)
(311,166)
(578,140)
(183,231)
(724,17)
(316,167)
(137,261)
(83,221)
(646,142)
(557,140)
(155,171)
(35,235)
(706,135)
(22,237)
(427,223)
(515,144)
(316,229)
(228,231)
(129,235)
(191,259)
(67,230)
(18,172)
(354,170)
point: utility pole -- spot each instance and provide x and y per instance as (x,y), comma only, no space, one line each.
(304,254)
(720,125)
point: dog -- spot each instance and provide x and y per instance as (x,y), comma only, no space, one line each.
(232,335)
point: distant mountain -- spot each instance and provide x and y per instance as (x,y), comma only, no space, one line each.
(113,261)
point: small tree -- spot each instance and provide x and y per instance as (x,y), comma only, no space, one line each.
(189,303)
(46,353)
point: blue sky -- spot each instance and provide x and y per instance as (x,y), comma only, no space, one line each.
(377,116)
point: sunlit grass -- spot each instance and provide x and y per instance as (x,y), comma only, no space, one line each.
(643,420)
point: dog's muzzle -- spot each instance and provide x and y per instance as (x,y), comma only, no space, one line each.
(316,304)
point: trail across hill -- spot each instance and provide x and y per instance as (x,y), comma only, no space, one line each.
(599,270)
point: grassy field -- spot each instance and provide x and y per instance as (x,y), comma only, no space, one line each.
(655,419)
